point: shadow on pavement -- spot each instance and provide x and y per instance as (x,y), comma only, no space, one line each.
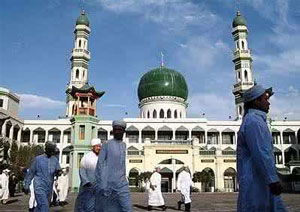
(11,201)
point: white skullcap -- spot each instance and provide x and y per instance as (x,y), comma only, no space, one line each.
(119,123)
(6,170)
(95,141)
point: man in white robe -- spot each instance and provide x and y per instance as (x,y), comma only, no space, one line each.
(85,201)
(4,180)
(155,198)
(184,184)
(63,186)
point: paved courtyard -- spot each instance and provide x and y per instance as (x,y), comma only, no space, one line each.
(208,202)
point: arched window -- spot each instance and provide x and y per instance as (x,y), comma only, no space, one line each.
(243,45)
(246,75)
(175,114)
(239,76)
(83,73)
(237,45)
(180,114)
(240,110)
(77,74)
(79,43)
(169,113)
(154,114)
(84,44)
(148,114)
(161,114)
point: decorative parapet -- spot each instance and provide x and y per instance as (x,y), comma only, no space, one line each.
(155,99)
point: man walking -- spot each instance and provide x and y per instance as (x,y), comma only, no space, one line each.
(43,169)
(63,186)
(259,186)
(4,186)
(112,185)
(155,198)
(184,184)
(85,201)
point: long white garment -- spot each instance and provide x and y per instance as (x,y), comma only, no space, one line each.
(54,191)
(4,184)
(32,202)
(155,196)
(184,183)
(63,186)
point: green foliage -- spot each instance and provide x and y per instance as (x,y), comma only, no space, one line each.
(194,189)
(142,178)
(21,157)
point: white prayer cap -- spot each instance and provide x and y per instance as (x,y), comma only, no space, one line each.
(157,167)
(119,123)
(96,141)
(6,170)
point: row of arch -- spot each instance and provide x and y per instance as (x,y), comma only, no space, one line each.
(162,114)
(229,178)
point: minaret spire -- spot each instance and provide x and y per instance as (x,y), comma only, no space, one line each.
(242,60)
(162,62)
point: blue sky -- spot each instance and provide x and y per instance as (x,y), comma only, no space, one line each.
(36,39)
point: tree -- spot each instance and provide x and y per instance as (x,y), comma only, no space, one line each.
(20,157)
(206,177)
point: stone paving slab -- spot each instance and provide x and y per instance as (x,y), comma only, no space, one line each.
(207,202)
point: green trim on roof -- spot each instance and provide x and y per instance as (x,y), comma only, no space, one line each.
(85,89)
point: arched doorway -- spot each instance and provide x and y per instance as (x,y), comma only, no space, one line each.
(207,179)
(133,173)
(166,179)
(290,154)
(230,180)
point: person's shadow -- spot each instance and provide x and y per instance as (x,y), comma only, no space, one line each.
(153,208)
(11,201)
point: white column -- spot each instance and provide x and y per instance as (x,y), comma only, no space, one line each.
(31,137)
(4,128)
(19,136)
(140,136)
(174,134)
(46,136)
(282,149)
(11,132)
(235,138)
(190,135)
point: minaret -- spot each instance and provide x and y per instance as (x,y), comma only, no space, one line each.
(80,58)
(242,60)
(81,101)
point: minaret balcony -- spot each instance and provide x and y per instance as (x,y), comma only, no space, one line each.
(241,53)
(81,53)
(242,86)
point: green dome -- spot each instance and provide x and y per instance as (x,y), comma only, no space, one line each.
(162,82)
(82,20)
(239,20)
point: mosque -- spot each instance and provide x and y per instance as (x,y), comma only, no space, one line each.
(162,135)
